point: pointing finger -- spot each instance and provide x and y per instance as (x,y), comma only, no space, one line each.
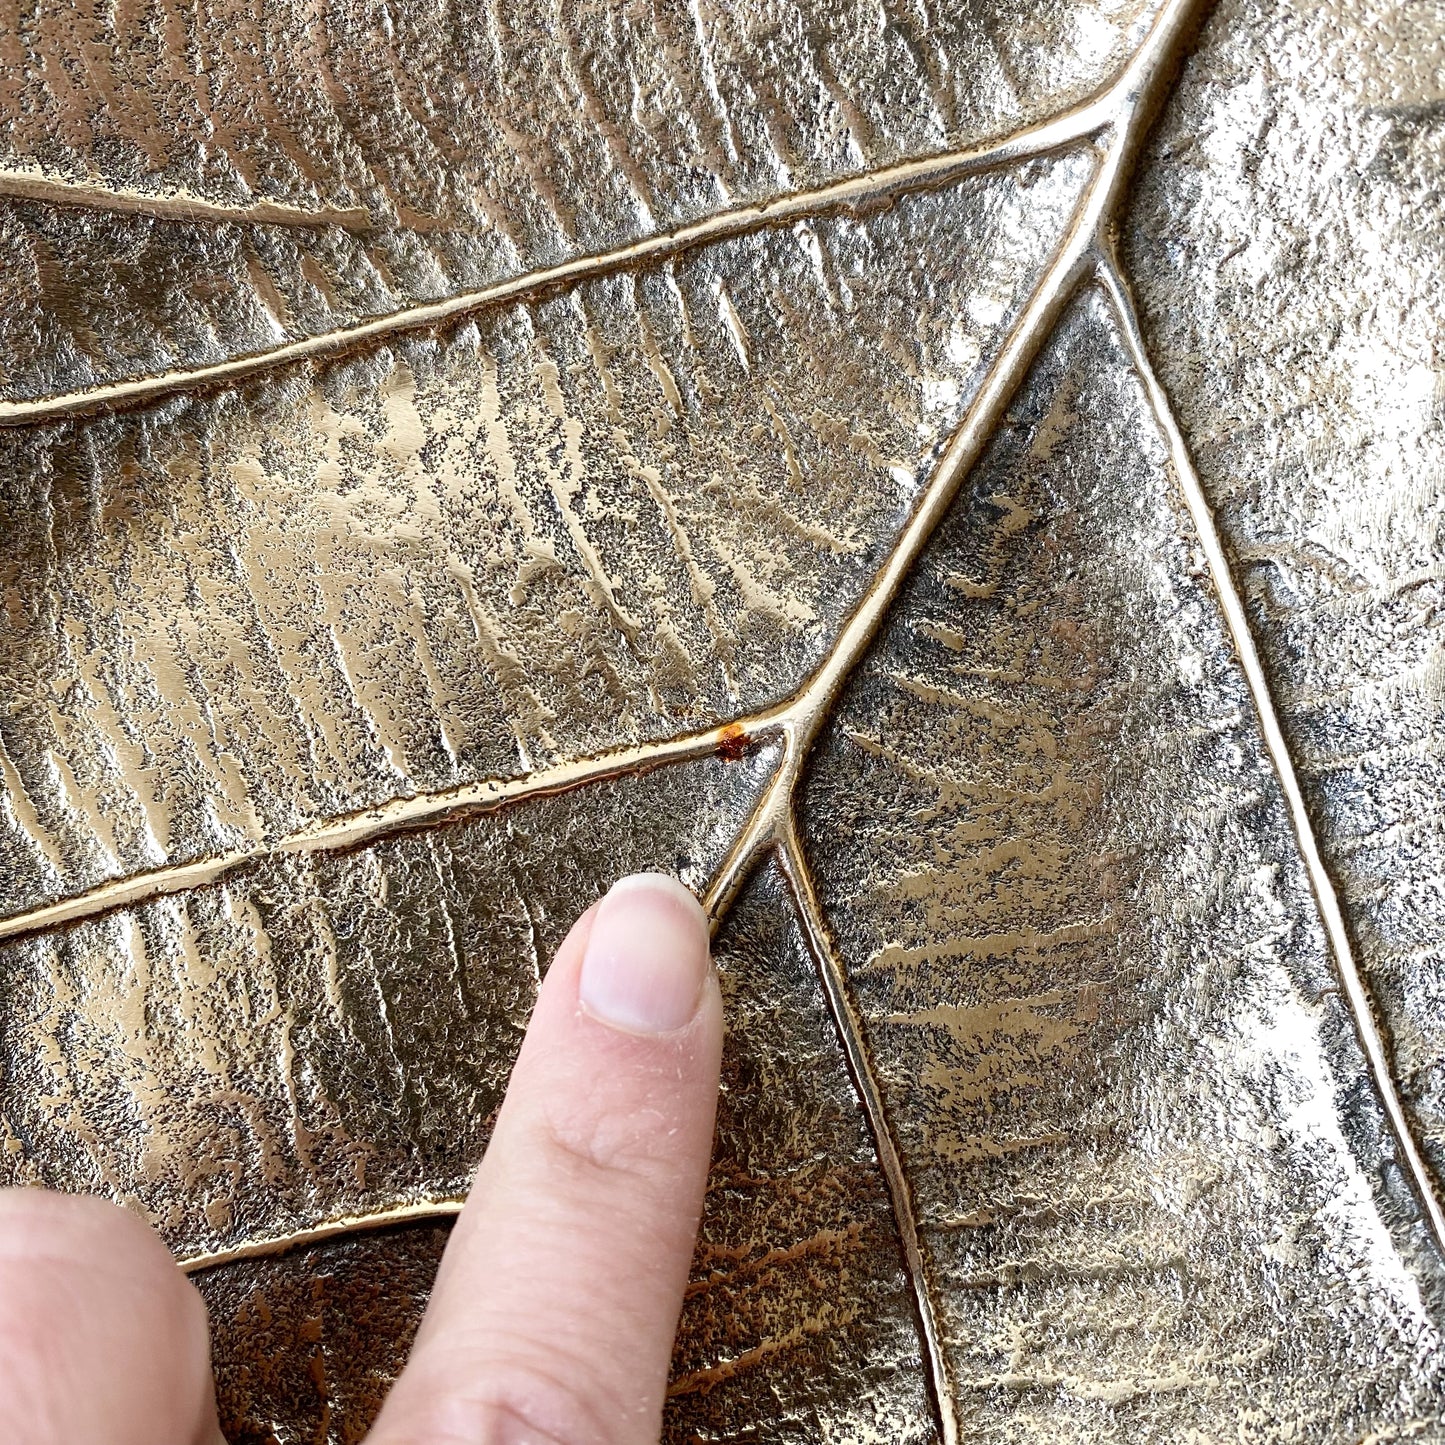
(555,1307)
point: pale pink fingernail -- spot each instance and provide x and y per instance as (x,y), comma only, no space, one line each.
(647,956)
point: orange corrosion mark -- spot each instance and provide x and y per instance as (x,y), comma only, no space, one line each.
(733,743)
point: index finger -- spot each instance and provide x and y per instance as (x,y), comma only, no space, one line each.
(555,1307)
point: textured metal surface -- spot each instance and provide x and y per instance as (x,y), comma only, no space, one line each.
(1151,1186)
(307,1344)
(323,1035)
(1309,223)
(639,509)
(457,145)
(797,1294)
(450,456)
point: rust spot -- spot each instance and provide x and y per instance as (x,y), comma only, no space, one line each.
(733,744)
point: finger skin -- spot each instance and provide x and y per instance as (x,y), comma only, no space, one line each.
(103,1340)
(554,1312)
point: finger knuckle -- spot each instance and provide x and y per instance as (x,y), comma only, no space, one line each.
(608,1148)
(516,1401)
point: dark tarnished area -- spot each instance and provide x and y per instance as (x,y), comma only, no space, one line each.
(452,455)
(306,1344)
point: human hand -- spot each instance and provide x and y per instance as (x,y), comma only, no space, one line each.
(553,1314)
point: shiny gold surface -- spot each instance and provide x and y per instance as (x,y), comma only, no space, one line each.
(455,455)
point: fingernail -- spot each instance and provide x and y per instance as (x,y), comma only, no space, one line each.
(647,956)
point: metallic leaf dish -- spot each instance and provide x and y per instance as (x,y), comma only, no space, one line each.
(959,484)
